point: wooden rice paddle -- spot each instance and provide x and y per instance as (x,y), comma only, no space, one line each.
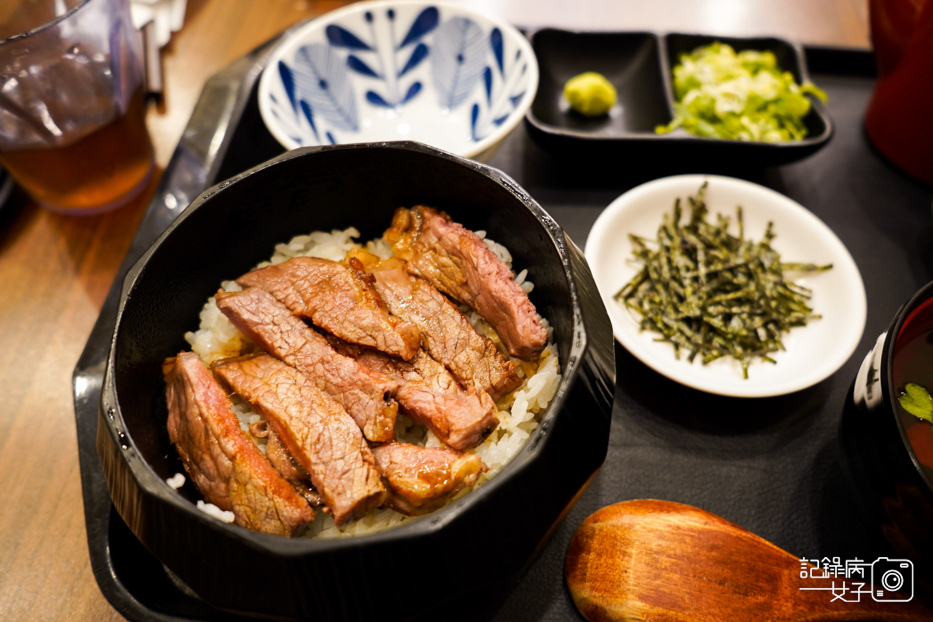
(664,562)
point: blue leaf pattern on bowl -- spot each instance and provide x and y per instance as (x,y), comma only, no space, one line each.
(496,43)
(417,55)
(295,115)
(464,64)
(321,80)
(387,54)
(413,90)
(376,99)
(288,82)
(503,88)
(487,83)
(458,60)
(343,38)
(426,21)
(355,63)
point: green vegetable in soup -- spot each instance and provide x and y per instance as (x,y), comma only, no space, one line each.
(917,401)
(712,294)
(721,93)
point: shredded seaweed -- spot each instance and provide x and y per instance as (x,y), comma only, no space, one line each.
(712,294)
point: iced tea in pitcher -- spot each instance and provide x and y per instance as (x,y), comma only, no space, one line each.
(72,109)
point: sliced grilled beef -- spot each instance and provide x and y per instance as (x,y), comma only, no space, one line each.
(430,395)
(285,463)
(459,263)
(268,323)
(421,480)
(224,464)
(339,299)
(446,333)
(314,428)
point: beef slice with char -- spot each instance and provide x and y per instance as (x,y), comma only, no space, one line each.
(338,298)
(282,459)
(421,479)
(430,395)
(459,263)
(365,394)
(225,465)
(285,463)
(314,428)
(446,333)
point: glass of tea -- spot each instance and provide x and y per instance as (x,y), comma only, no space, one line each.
(72,106)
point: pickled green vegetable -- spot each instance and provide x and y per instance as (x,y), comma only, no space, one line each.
(590,94)
(720,93)
(712,294)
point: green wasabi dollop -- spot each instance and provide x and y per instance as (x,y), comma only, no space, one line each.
(590,94)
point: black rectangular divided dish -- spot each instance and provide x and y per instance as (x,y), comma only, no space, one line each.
(640,66)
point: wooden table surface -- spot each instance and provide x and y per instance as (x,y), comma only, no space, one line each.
(58,269)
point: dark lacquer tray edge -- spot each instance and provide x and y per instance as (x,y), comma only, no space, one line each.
(194,166)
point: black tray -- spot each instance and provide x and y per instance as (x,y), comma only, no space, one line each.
(773,466)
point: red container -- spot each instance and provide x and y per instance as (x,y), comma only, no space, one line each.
(899,118)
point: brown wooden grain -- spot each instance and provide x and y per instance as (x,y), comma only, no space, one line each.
(664,561)
(56,270)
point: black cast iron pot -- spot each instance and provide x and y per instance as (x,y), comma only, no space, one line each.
(443,566)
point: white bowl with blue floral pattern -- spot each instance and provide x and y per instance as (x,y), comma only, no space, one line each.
(387,70)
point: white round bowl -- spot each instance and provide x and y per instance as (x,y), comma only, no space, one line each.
(812,352)
(387,70)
